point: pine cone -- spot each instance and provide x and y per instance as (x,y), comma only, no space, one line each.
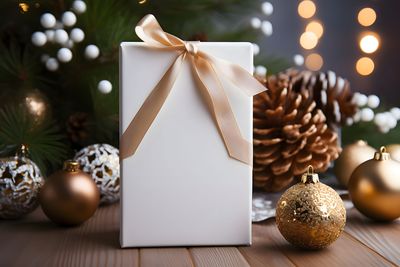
(331,93)
(78,128)
(290,133)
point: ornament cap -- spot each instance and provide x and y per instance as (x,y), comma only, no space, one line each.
(382,154)
(71,166)
(310,176)
(22,151)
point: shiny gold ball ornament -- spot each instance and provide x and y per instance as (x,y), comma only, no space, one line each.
(374,187)
(351,156)
(20,182)
(101,161)
(310,214)
(69,196)
(394,151)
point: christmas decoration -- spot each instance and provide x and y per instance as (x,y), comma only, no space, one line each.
(79,7)
(39,38)
(77,35)
(331,93)
(64,55)
(351,156)
(60,36)
(52,64)
(68,18)
(289,134)
(394,151)
(101,161)
(20,182)
(92,52)
(69,196)
(374,187)
(48,20)
(310,214)
(104,87)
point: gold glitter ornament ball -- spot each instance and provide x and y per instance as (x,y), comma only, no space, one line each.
(310,214)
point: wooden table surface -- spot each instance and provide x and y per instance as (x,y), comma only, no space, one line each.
(35,241)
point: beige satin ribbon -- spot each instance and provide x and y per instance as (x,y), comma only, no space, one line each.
(206,70)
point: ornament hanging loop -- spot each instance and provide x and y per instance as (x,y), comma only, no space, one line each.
(382,154)
(310,176)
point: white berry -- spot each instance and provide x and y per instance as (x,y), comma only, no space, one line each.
(104,87)
(267,8)
(52,64)
(266,27)
(298,60)
(64,55)
(92,52)
(349,121)
(61,36)
(373,101)
(69,44)
(360,99)
(260,71)
(59,25)
(39,38)
(68,18)
(255,23)
(367,114)
(384,129)
(357,116)
(395,112)
(48,20)
(79,6)
(50,35)
(391,120)
(380,119)
(256,49)
(77,35)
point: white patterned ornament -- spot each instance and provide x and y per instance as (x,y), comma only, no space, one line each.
(101,161)
(20,182)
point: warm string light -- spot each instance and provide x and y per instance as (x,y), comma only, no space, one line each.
(369,41)
(23,7)
(310,37)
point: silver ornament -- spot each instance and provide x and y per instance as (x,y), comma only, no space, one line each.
(101,161)
(20,182)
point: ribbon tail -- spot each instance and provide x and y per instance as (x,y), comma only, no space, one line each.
(143,119)
(241,78)
(218,104)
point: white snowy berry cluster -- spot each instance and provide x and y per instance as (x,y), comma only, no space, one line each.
(56,32)
(385,121)
(64,33)
(266,27)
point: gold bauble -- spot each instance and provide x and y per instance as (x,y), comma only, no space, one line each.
(69,196)
(310,214)
(394,151)
(20,182)
(351,156)
(374,187)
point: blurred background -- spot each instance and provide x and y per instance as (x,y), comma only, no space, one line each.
(59,61)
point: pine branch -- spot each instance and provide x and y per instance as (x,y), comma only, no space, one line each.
(46,144)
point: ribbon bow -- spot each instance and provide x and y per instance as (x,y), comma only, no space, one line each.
(206,70)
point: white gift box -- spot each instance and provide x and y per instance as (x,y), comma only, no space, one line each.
(181,188)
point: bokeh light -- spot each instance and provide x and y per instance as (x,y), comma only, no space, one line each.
(366,16)
(315,27)
(314,62)
(306,9)
(369,43)
(308,40)
(365,66)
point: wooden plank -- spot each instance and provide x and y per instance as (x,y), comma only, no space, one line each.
(265,250)
(218,257)
(165,257)
(384,238)
(344,252)
(35,241)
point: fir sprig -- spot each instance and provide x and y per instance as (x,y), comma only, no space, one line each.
(46,144)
